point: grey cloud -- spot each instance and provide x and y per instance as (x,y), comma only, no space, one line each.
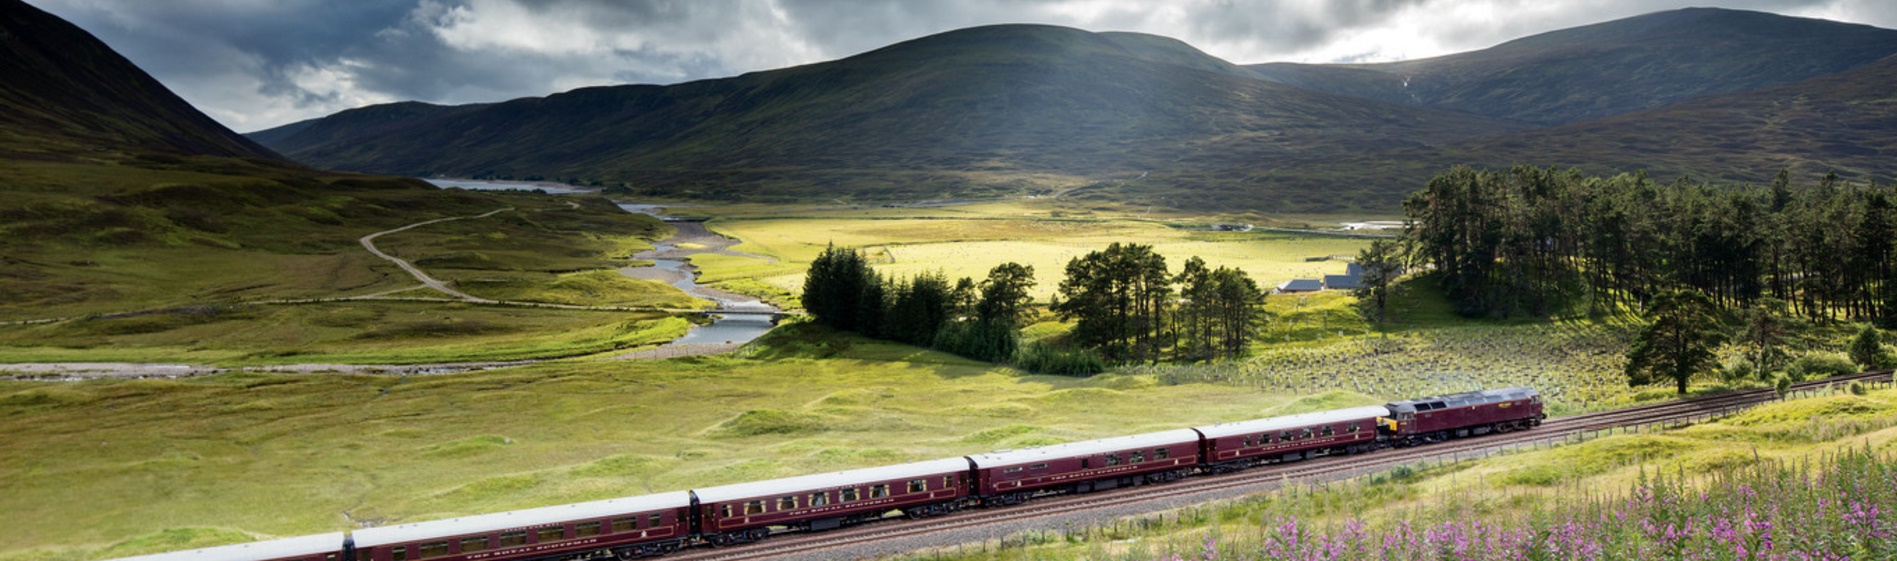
(259,63)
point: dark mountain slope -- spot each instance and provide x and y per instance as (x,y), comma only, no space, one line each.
(1844,122)
(990,109)
(1610,68)
(61,89)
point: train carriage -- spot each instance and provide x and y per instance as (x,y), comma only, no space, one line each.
(1013,476)
(324,547)
(1242,444)
(745,512)
(1439,418)
(628,527)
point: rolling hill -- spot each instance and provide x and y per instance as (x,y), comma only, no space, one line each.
(116,195)
(1022,109)
(1611,68)
(1005,109)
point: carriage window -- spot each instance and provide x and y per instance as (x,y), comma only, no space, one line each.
(1285,436)
(787,503)
(553,534)
(585,529)
(1113,459)
(1248,441)
(819,499)
(948,482)
(432,549)
(1161,453)
(1139,456)
(1328,431)
(848,495)
(918,485)
(1015,469)
(1306,435)
(626,524)
(329,557)
(1352,428)
(514,538)
(1038,466)
(400,553)
(655,521)
(727,511)
(879,490)
(473,544)
(754,507)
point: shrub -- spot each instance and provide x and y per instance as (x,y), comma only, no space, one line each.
(1820,365)
(1736,370)
(1041,358)
(1858,389)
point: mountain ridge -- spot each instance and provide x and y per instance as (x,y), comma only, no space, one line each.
(1012,110)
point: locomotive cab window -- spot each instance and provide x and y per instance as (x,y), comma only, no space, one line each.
(514,538)
(473,544)
(819,499)
(847,495)
(626,524)
(1161,453)
(879,490)
(918,485)
(753,507)
(787,503)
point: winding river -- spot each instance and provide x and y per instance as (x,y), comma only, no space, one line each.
(750,318)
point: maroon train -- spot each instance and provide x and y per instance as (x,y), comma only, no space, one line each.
(656,524)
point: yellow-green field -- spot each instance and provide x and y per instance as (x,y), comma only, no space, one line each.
(355,332)
(968,240)
(91,464)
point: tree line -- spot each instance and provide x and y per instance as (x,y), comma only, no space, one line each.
(1542,241)
(1125,304)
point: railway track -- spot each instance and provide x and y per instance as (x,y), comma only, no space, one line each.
(835,543)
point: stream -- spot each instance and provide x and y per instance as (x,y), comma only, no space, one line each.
(671,266)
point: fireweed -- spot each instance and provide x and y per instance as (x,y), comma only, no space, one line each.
(1837,507)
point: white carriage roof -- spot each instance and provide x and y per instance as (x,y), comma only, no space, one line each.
(1292,421)
(1085,447)
(435,529)
(807,483)
(253,551)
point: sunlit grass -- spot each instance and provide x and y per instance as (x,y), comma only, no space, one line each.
(94,463)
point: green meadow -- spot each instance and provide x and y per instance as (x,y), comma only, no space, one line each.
(112,467)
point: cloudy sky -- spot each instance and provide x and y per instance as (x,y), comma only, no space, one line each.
(255,64)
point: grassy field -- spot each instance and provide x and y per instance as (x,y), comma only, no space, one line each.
(968,240)
(358,332)
(1617,492)
(139,463)
(192,302)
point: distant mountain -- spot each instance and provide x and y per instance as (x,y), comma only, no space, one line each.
(988,110)
(1021,109)
(61,90)
(1611,68)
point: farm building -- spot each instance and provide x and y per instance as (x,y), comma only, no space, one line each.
(1301,285)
